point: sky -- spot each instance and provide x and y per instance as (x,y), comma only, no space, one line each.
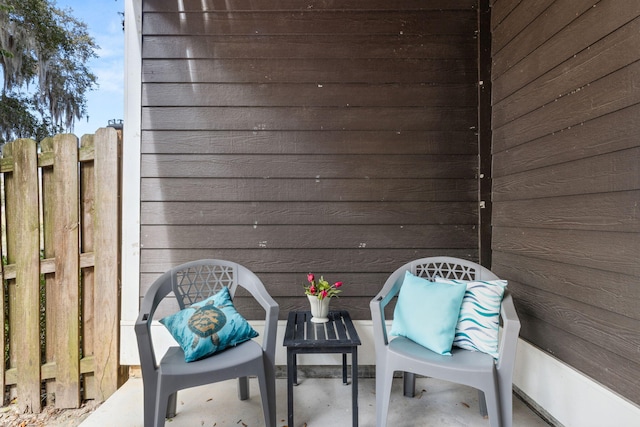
(106,101)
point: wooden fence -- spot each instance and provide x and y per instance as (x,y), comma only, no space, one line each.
(60,275)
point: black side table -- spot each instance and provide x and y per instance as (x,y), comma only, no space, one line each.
(338,335)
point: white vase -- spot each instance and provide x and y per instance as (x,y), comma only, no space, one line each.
(319,309)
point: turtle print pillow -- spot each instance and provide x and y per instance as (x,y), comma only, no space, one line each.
(208,326)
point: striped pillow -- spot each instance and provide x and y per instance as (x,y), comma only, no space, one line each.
(479,318)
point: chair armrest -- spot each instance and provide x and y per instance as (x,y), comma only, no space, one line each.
(156,293)
(510,331)
(377,305)
(248,280)
(272,310)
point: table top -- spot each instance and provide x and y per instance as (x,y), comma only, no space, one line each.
(337,332)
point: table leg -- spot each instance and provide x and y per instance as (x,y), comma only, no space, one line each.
(295,369)
(354,385)
(344,368)
(291,368)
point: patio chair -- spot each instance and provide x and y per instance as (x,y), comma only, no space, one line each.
(192,283)
(492,377)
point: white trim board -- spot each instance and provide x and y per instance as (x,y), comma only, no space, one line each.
(130,267)
(570,397)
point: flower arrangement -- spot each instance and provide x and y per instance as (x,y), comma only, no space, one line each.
(321,289)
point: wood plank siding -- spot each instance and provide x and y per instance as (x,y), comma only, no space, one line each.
(337,137)
(566,179)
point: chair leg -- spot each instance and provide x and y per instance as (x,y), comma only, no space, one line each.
(270,377)
(482,403)
(243,388)
(493,408)
(409,384)
(149,404)
(161,407)
(506,407)
(383,394)
(172,405)
(264,397)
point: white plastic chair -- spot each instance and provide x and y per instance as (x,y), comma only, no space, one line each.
(161,381)
(492,378)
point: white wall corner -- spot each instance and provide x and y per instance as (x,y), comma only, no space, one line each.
(568,396)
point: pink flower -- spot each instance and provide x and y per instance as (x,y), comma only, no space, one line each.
(312,289)
(338,284)
(310,277)
(324,294)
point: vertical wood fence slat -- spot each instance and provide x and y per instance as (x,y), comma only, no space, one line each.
(87,209)
(78,189)
(65,171)
(11,216)
(106,244)
(3,307)
(25,171)
(49,251)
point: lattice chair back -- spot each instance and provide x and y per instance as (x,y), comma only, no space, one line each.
(446,270)
(196,281)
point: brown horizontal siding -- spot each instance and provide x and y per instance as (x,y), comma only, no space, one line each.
(570,38)
(307,118)
(256,190)
(605,134)
(603,96)
(607,211)
(514,29)
(616,171)
(318,167)
(310,142)
(321,261)
(566,183)
(343,5)
(323,94)
(309,213)
(309,70)
(579,283)
(383,22)
(611,53)
(315,46)
(307,236)
(334,136)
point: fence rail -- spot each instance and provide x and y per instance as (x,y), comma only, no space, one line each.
(60,275)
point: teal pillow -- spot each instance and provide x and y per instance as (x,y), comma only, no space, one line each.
(208,326)
(479,320)
(427,312)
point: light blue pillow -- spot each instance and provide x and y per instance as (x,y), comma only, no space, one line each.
(208,326)
(427,312)
(479,320)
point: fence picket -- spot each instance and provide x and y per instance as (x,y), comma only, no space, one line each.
(65,171)
(25,171)
(11,220)
(48,229)
(106,244)
(87,208)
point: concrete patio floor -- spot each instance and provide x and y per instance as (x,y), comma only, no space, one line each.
(317,402)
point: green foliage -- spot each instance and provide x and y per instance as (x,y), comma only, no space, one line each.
(45,47)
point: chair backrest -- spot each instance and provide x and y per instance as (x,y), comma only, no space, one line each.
(197,280)
(428,268)
(449,268)
(194,281)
